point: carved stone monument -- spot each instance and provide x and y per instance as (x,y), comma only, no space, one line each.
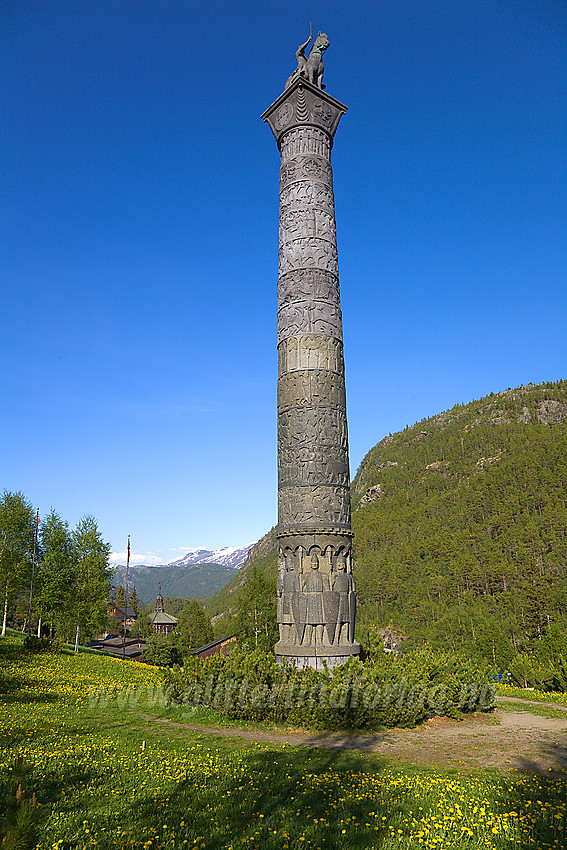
(316,589)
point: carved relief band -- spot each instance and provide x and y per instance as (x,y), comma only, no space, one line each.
(313,465)
(307,284)
(306,168)
(313,222)
(312,426)
(305,194)
(310,388)
(310,351)
(322,505)
(310,317)
(305,140)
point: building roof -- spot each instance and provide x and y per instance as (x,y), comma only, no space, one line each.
(119,642)
(160,618)
(213,643)
(119,612)
(131,652)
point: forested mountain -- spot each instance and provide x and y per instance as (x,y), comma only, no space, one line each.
(460,527)
(461,523)
(223,606)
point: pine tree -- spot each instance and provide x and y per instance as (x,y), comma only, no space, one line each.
(134,602)
(120,597)
(257,611)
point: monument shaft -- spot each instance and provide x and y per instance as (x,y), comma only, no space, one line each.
(316,589)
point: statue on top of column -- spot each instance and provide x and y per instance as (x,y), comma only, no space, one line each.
(311,68)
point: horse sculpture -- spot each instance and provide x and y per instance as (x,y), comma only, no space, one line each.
(311,69)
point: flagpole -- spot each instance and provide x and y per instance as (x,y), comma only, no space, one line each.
(33,569)
(126,600)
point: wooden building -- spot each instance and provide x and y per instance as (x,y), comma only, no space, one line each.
(117,613)
(220,646)
(162,623)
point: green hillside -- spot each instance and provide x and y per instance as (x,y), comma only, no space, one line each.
(461,527)
(199,581)
(173,605)
(222,606)
(461,523)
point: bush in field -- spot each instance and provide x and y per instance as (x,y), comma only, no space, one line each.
(548,674)
(33,643)
(161,651)
(384,691)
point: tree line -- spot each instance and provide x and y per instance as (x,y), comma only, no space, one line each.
(69,569)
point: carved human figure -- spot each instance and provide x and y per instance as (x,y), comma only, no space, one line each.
(301,60)
(279,588)
(314,585)
(290,588)
(344,584)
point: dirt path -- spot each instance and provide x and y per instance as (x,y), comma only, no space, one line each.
(507,740)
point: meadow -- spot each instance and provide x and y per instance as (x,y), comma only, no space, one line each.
(106,773)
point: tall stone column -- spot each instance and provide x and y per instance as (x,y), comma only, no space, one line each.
(316,589)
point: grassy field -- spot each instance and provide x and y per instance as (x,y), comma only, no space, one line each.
(533,708)
(105,776)
(532,695)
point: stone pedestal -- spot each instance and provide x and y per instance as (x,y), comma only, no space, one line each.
(316,588)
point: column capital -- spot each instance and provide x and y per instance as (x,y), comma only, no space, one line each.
(304,105)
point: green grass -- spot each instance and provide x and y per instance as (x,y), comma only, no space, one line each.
(539,710)
(98,786)
(532,695)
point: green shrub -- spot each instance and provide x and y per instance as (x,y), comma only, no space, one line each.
(381,691)
(33,643)
(547,674)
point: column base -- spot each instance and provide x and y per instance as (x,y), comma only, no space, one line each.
(316,657)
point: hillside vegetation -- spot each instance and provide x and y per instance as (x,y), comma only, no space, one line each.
(223,606)
(460,529)
(460,524)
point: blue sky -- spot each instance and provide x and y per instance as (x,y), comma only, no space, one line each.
(138,239)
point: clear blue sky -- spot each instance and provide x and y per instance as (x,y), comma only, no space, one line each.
(138,253)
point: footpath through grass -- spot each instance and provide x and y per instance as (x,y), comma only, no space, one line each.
(97,786)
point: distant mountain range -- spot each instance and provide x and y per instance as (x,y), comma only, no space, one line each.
(229,556)
(199,573)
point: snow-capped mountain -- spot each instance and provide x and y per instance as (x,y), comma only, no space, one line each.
(199,573)
(229,556)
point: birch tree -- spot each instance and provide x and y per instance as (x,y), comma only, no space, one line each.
(92,578)
(56,571)
(17,526)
